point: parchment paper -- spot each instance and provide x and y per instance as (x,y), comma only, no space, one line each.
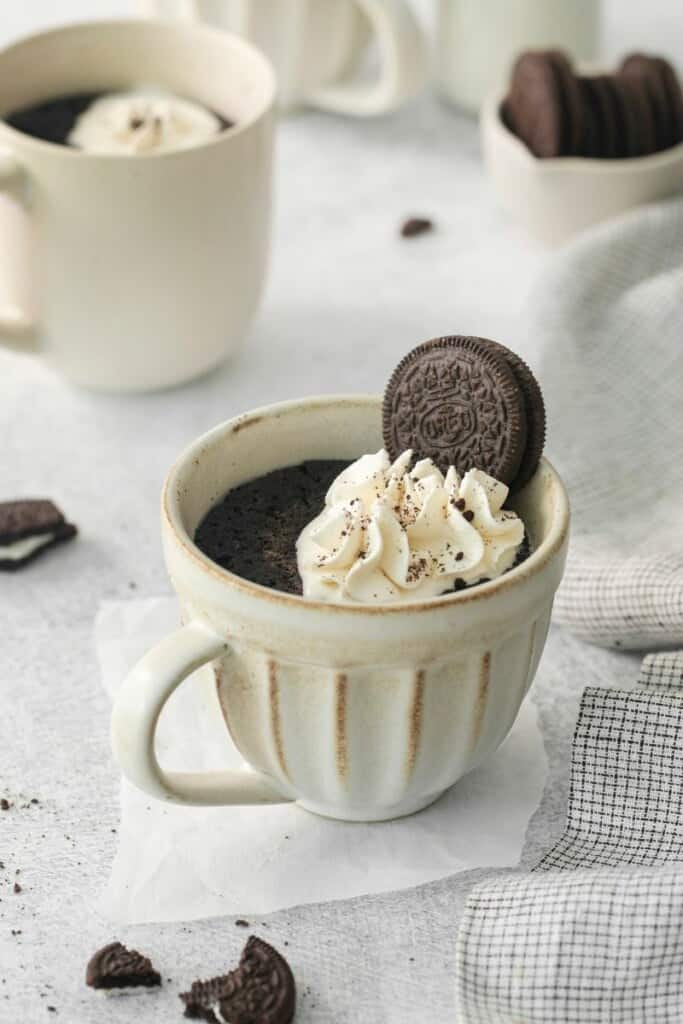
(177,863)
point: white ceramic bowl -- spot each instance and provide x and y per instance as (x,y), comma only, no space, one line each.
(355,711)
(554,199)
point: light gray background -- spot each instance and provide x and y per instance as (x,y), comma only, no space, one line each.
(346,298)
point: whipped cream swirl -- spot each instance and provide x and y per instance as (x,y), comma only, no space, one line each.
(142,121)
(391,533)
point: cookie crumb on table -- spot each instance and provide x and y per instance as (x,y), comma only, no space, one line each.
(414,226)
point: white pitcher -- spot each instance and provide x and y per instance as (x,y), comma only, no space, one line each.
(478,40)
(315,45)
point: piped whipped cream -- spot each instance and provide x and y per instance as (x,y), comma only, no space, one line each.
(389,532)
(142,121)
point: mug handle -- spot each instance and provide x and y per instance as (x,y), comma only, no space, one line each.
(403,62)
(17,329)
(136,711)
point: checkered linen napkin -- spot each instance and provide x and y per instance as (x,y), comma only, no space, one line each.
(595,932)
(604,329)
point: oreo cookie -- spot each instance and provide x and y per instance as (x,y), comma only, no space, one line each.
(664,92)
(29,528)
(261,990)
(639,99)
(534,409)
(544,106)
(458,401)
(613,144)
(114,966)
(591,143)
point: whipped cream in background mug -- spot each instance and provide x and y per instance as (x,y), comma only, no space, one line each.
(143,120)
(392,533)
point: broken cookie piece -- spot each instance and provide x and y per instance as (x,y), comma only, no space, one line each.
(27,529)
(414,226)
(260,990)
(114,966)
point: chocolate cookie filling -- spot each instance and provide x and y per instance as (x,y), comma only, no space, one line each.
(253,531)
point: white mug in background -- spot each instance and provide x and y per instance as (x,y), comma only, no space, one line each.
(315,46)
(144,270)
(478,40)
(357,712)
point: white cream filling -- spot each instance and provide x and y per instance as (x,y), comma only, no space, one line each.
(23,548)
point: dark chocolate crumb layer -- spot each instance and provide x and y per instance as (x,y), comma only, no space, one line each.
(253,531)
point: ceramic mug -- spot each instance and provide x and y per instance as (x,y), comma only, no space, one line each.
(315,44)
(144,270)
(361,713)
(478,40)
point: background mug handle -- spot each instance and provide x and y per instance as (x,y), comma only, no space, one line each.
(402,56)
(17,329)
(402,60)
(136,711)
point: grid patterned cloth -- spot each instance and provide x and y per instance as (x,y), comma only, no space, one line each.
(606,320)
(626,789)
(574,948)
(630,602)
(595,931)
(663,670)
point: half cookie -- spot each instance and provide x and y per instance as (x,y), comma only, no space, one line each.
(28,528)
(260,990)
(114,966)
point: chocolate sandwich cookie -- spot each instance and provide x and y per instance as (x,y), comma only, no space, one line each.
(544,106)
(608,115)
(114,966)
(637,96)
(664,92)
(534,409)
(592,141)
(672,88)
(457,401)
(261,990)
(28,528)
(629,127)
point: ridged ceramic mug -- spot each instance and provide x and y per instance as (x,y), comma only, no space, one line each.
(357,712)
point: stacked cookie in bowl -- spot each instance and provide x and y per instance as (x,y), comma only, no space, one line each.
(565,150)
(556,112)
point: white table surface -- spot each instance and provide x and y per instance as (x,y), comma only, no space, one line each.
(346,299)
